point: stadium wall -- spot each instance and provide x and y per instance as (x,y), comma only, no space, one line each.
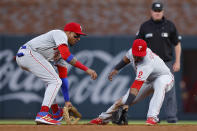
(21,93)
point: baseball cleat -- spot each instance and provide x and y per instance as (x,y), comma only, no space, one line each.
(45,118)
(152,121)
(97,121)
(58,116)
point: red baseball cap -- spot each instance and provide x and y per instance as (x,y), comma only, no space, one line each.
(139,48)
(74,27)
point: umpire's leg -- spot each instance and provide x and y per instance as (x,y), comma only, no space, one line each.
(170,103)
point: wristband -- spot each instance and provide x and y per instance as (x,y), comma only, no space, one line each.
(69,58)
(137,84)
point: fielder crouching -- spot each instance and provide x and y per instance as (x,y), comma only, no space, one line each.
(35,56)
(152,76)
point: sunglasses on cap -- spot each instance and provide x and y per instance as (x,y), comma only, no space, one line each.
(77,36)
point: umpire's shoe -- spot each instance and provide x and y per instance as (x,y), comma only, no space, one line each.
(45,118)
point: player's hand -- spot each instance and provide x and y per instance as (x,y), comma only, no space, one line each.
(92,73)
(176,67)
(68,104)
(111,74)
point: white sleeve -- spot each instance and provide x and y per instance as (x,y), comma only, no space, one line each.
(143,72)
(60,37)
(129,54)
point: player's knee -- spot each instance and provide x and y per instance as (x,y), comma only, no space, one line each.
(59,82)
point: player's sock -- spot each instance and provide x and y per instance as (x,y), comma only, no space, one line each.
(44,109)
(65,88)
(54,108)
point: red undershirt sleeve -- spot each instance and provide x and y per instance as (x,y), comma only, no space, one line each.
(137,84)
(64,51)
(66,55)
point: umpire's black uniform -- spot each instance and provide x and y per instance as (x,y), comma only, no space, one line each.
(161,37)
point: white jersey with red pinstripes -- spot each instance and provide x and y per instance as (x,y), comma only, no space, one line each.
(46,44)
(151,67)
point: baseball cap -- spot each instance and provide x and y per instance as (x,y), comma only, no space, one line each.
(139,48)
(157,6)
(74,27)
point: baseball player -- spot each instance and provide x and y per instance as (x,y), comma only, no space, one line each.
(35,56)
(152,76)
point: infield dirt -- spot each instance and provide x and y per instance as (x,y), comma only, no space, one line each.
(98,128)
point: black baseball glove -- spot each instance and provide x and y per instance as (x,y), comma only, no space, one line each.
(119,117)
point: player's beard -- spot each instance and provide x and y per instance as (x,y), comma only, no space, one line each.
(72,43)
(138,59)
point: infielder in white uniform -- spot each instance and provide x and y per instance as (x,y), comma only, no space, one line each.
(152,76)
(35,56)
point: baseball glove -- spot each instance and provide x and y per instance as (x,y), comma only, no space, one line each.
(120,117)
(71,115)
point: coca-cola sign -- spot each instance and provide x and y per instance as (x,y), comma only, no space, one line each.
(17,84)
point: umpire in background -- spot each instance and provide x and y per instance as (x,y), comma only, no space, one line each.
(162,38)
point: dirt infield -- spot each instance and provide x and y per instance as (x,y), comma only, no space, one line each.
(98,128)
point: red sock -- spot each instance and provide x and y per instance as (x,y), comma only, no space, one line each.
(54,108)
(44,109)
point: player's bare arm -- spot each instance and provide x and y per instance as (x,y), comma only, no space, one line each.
(89,71)
(119,66)
(177,65)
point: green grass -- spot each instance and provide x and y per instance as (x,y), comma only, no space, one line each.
(135,122)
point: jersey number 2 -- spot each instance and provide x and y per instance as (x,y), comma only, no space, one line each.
(140,74)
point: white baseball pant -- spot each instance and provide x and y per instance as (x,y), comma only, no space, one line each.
(158,87)
(39,66)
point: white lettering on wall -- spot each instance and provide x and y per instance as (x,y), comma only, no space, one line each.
(17,84)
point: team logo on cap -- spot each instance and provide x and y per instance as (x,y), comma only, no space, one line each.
(140,48)
(81,28)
